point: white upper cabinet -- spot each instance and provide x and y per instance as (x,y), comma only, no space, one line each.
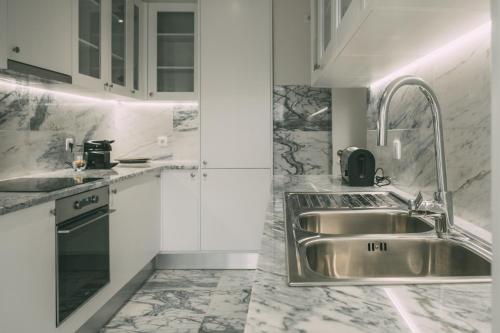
(173,51)
(39,33)
(373,38)
(139,48)
(3,34)
(89,41)
(121,48)
(109,46)
(236,83)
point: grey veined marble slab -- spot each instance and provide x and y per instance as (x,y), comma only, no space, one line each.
(11,202)
(275,307)
(187,301)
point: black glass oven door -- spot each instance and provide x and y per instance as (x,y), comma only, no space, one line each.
(82,260)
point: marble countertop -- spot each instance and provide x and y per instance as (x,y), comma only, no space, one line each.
(276,307)
(10,202)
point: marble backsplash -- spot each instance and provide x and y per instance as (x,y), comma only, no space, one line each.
(461,80)
(302,130)
(34,124)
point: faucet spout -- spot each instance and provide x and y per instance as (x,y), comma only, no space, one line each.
(442,196)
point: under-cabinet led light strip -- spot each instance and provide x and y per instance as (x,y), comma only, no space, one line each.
(469,37)
(10,83)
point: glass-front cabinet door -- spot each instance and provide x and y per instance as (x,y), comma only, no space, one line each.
(139,48)
(173,51)
(323,24)
(110,47)
(88,39)
(119,21)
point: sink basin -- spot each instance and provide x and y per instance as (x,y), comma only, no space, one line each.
(394,258)
(353,222)
(374,242)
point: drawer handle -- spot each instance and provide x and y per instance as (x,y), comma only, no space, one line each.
(93,220)
(16,49)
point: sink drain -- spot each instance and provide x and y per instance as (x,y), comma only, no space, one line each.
(377,246)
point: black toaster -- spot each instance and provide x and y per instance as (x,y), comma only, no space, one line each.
(357,166)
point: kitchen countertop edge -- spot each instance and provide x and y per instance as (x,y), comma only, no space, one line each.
(14,201)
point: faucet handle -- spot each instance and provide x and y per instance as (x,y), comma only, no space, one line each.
(414,204)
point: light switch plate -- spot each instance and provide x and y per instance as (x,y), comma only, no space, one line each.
(68,142)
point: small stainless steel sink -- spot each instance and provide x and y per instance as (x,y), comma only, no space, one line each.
(354,222)
(374,244)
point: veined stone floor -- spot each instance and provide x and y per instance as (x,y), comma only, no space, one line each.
(187,301)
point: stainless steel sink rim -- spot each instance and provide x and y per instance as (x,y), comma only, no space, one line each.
(301,274)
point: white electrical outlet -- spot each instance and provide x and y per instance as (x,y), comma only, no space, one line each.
(69,141)
(162,141)
(396,149)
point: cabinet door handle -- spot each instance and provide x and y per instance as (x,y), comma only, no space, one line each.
(106,85)
(316,67)
(205,162)
(193,174)
(16,49)
(111,85)
(132,91)
(151,94)
(114,191)
(205,175)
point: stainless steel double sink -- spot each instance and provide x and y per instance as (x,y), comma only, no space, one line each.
(363,238)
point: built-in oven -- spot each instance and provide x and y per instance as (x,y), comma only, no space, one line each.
(82,249)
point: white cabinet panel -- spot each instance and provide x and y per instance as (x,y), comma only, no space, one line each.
(236,83)
(39,33)
(180,211)
(90,37)
(27,282)
(3,34)
(134,227)
(173,51)
(233,206)
(367,48)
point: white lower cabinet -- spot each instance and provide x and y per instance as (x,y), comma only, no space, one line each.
(221,210)
(27,281)
(181,213)
(233,208)
(134,227)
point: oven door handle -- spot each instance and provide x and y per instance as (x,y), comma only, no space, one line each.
(93,220)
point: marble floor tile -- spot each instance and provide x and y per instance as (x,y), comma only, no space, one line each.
(187,301)
(236,279)
(230,303)
(222,324)
(182,279)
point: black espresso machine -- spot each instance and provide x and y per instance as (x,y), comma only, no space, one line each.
(97,153)
(357,166)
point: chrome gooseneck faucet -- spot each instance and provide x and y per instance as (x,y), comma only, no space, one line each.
(442,204)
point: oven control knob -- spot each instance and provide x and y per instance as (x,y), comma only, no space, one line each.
(77,205)
(94,199)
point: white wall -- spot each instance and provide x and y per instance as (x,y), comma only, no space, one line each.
(291,33)
(495,158)
(348,121)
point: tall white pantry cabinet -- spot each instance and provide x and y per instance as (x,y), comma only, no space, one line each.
(220,208)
